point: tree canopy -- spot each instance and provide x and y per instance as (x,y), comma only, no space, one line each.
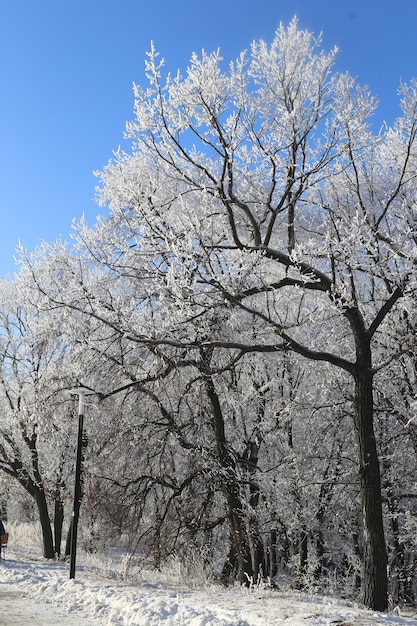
(255,275)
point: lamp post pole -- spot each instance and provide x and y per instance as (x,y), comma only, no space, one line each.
(81,392)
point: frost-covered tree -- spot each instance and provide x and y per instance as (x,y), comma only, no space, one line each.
(35,432)
(258,195)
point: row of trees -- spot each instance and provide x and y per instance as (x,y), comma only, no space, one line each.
(246,312)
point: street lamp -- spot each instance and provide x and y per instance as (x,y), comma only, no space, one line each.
(81,392)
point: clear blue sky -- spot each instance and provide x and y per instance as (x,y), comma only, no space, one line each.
(67,68)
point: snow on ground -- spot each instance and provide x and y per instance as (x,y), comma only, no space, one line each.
(98,596)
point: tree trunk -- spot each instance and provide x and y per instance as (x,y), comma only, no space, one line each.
(272,553)
(375,555)
(240,548)
(239,559)
(48,544)
(358,554)
(320,551)
(37,493)
(400,578)
(303,557)
(58,523)
(251,460)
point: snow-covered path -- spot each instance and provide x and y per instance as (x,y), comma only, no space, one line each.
(38,592)
(17,609)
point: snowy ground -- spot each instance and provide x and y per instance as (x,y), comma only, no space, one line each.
(98,596)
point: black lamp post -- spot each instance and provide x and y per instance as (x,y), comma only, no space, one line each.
(81,392)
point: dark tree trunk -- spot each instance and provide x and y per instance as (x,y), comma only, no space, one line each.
(320,553)
(35,486)
(239,559)
(251,459)
(273,553)
(48,544)
(278,552)
(375,555)
(58,523)
(240,547)
(36,491)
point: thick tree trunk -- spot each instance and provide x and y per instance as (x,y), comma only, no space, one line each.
(239,559)
(36,491)
(375,555)
(48,544)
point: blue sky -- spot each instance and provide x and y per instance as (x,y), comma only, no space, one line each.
(67,68)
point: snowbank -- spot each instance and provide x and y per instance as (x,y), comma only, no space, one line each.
(104,601)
